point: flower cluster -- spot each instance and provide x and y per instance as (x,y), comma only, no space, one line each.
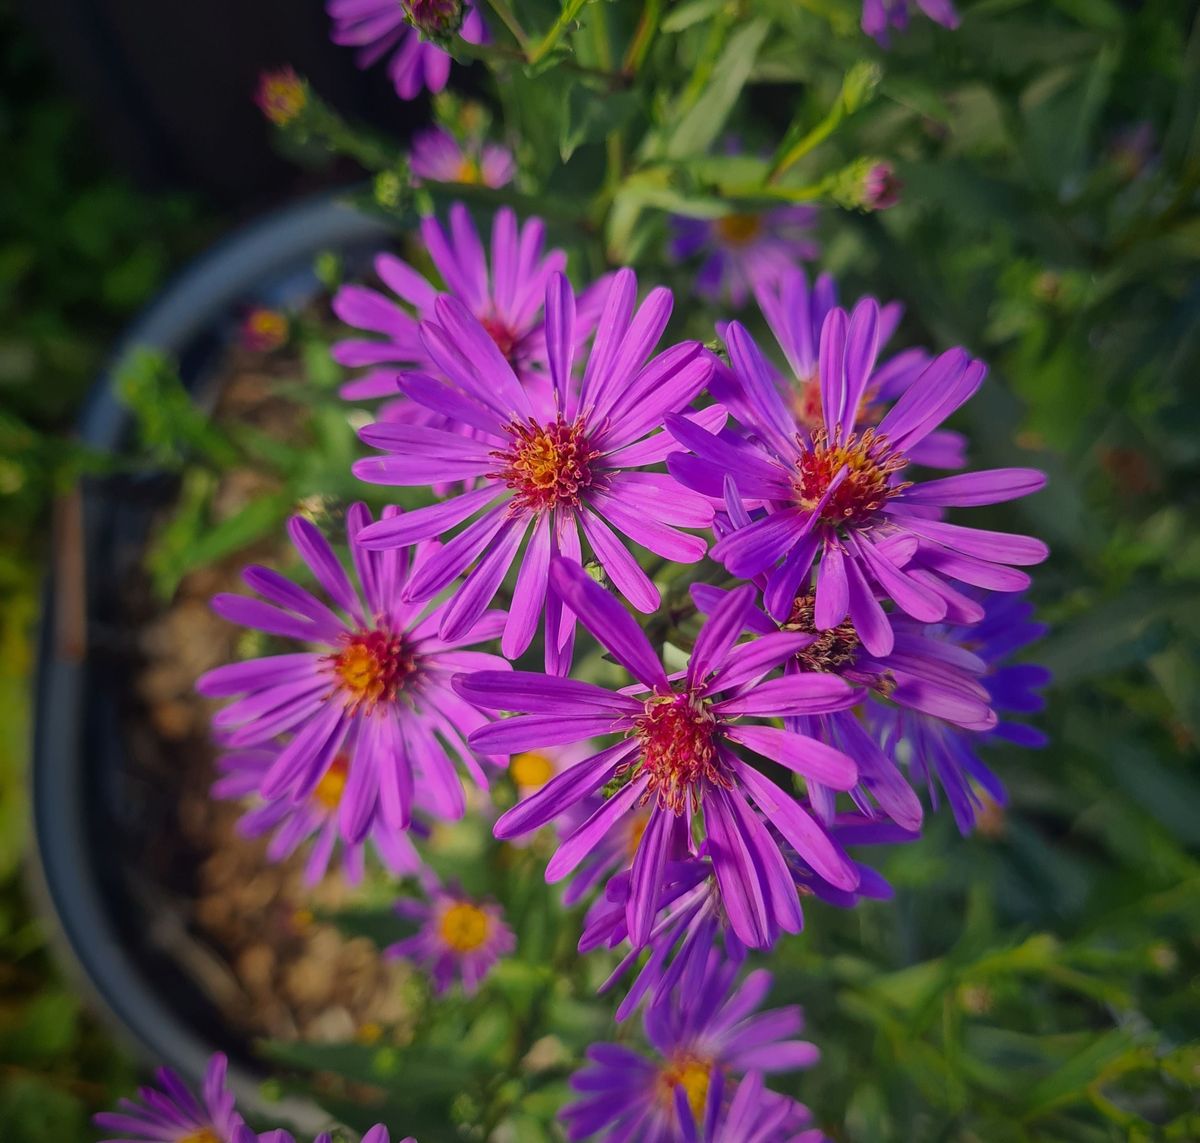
(846,641)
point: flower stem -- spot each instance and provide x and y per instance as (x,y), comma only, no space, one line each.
(568,15)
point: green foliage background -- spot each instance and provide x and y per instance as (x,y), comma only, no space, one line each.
(1034,982)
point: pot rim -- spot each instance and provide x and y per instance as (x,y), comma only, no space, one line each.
(275,252)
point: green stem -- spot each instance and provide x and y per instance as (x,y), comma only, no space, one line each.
(643,37)
(509,20)
(549,41)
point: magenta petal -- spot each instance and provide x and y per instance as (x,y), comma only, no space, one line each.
(608,621)
(803,834)
(529,593)
(833,592)
(562,792)
(540,694)
(974,489)
(622,569)
(799,752)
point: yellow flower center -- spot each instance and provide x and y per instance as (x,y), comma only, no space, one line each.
(281,96)
(469,171)
(739,229)
(870,464)
(547,466)
(693,1075)
(332,785)
(371,668)
(531,770)
(464,927)
(203,1135)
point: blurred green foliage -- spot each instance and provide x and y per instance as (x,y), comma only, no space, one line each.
(80,250)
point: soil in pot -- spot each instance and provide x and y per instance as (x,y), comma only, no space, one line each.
(244,930)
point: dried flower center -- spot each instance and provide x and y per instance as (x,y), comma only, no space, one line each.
(435,16)
(831,650)
(371,668)
(870,464)
(281,96)
(332,786)
(531,770)
(739,229)
(464,927)
(547,466)
(691,1073)
(202,1135)
(679,752)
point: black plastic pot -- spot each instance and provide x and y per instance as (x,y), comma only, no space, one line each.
(80,801)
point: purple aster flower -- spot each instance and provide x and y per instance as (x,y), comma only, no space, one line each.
(744,251)
(459,939)
(795,313)
(293,824)
(754,1115)
(505,295)
(837,493)
(880,16)
(377,689)
(171,1114)
(943,753)
(377,1134)
(692,920)
(380,27)
(699,1036)
(440,157)
(559,478)
(675,755)
(922,673)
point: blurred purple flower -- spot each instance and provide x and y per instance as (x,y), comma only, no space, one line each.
(745,251)
(945,754)
(700,1036)
(294,823)
(879,17)
(379,27)
(459,939)
(438,156)
(171,1114)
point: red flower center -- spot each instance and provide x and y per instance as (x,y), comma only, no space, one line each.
(505,337)
(678,739)
(870,464)
(371,668)
(547,466)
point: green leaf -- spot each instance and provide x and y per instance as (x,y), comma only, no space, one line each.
(706,119)
(591,115)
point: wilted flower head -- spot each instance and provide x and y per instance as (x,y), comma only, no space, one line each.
(700,1037)
(744,251)
(460,938)
(881,187)
(170,1113)
(264,329)
(375,688)
(281,95)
